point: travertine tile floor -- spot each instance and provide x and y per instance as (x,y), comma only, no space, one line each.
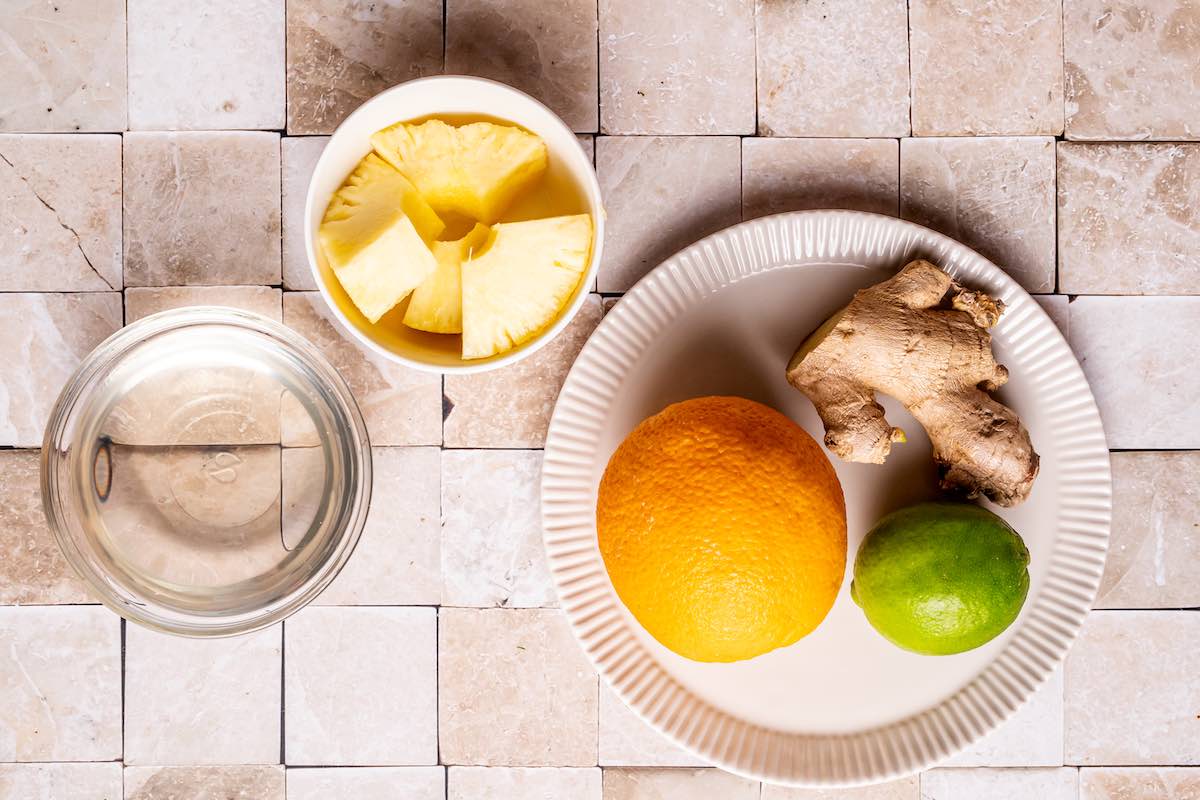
(155,153)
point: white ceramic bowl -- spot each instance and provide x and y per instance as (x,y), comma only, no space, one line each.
(443,96)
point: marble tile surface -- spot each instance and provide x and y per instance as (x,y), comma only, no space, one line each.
(1032,737)
(511,670)
(1139,783)
(202,208)
(231,52)
(800,174)
(980,67)
(548,52)
(1135,352)
(367,783)
(298,156)
(627,741)
(82,85)
(341,54)
(676,784)
(1154,552)
(830,69)
(1132,697)
(660,77)
(401,406)
(142,301)
(999,784)
(202,701)
(492,552)
(361,687)
(33,570)
(643,180)
(994,194)
(1129,218)
(1126,68)
(523,783)
(902,789)
(1057,307)
(511,407)
(60,677)
(258,782)
(62,201)
(46,337)
(100,781)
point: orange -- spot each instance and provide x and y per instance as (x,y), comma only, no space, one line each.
(723,528)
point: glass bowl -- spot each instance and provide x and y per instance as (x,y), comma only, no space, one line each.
(206,471)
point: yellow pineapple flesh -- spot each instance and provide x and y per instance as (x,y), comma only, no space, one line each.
(375,235)
(436,305)
(475,170)
(524,276)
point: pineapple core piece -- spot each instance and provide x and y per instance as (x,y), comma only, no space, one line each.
(375,235)
(475,170)
(436,305)
(518,284)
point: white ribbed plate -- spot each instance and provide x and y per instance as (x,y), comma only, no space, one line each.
(841,706)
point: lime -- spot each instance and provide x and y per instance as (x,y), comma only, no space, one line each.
(941,578)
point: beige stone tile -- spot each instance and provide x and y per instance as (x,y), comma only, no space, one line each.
(397,560)
(980,67)
(523,783)
(401,406)
(60,781)
(299,157)
(202,701)
(658,75)
(231,52)
(142,301)
(502,673)
(1032,737)
(33,570)
(1139,783)
(1127,64)
(826,69)
(1154,553)
(1129,218)
(676,784)
(627,741)
(1057,307)
(367,783)
(492,552)
(994,194)
(339,55)
(45,338)
(643,180)
(202,208)
(82,86)
(903,789)
(62,200)
(999,784)
(588,142)
(800,174)
(260,782)
(1137,354)
(361,687)
(511,407)
(1132,697)
(60,677)
(551,54)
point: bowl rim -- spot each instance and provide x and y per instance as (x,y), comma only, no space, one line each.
(591,189)
(128,604)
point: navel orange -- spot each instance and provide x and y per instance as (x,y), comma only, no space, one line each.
(723,528)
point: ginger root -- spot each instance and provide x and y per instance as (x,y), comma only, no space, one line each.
(898,338)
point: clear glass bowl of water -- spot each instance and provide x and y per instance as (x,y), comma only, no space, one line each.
(206,471)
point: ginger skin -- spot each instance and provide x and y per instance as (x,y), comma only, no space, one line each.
(896,337)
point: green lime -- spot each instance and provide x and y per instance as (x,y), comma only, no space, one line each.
(941,578)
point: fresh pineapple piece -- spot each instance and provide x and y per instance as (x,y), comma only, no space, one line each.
(475,170)
(521,280)
(375,235)
(436,305)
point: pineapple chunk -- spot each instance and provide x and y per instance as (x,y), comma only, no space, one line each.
(475,170)
(436,305)
(375,235)
(520,282)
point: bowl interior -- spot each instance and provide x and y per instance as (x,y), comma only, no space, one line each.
(569,187)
